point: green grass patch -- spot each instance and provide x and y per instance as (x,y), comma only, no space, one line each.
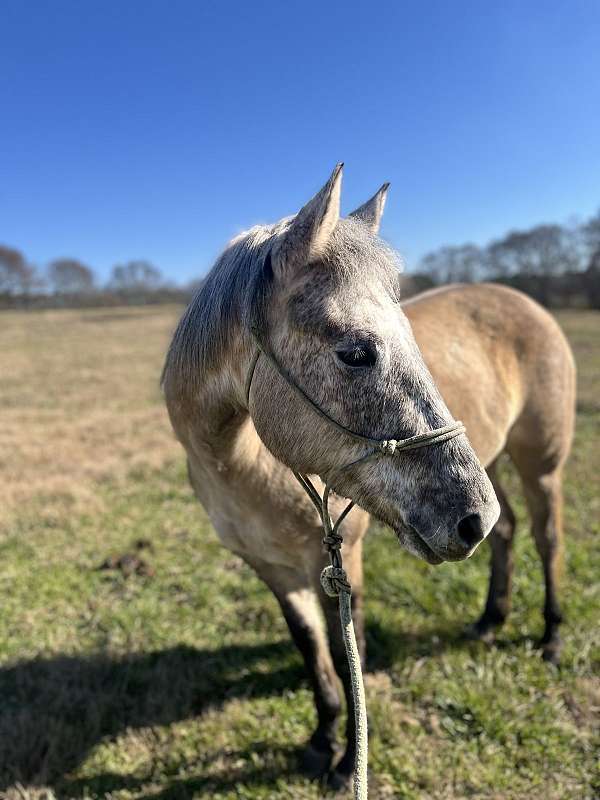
(179,680)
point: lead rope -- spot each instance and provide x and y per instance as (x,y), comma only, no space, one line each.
(334,580)
(335,583)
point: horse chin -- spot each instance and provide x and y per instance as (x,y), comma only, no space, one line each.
(409,537)
(411,541)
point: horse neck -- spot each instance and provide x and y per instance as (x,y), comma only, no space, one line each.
(224,431)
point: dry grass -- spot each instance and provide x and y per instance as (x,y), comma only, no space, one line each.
(80,403)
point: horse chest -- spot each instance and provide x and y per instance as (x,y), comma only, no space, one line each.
(258,522)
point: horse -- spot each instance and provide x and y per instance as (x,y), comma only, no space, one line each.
(320,294)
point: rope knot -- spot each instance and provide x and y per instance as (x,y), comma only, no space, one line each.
(334,580)
(333,541)
(388,446)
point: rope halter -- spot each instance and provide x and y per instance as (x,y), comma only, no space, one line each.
(381,447)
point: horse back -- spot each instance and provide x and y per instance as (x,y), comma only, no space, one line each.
(502,365)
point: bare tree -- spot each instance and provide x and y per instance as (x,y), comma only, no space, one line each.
(461,264)
(70,276)
(591,281)
(533,260)
(543,250)
(16,275)
(591,277)
(591,238)
(135,275)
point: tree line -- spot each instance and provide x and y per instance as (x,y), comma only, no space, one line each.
(68,282)
(558,265)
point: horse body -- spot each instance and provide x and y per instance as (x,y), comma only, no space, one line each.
(500,361)
(505,368)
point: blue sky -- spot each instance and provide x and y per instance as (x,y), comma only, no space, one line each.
(160,129)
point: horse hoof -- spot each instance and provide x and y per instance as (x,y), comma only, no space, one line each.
(551,651)
(339,781)
(315,764)
(481,631)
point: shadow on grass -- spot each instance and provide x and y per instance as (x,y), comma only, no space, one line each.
(386,648)
(248,775)
(53,711)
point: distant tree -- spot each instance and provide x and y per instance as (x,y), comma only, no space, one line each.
(459,264)
(16,275)
(543,250)
(533,259)
(70,276)
(591,281)
(590,234)
(135,275)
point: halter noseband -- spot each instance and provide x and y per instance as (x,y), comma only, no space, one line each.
(382,447)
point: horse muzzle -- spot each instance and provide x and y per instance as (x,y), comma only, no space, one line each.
(459,540)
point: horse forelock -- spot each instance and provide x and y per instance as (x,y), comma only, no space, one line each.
(356,257)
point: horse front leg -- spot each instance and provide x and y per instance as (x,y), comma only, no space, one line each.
(502,562)
(300,608)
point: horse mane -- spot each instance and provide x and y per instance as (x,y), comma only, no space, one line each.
(235,294)
(219,307)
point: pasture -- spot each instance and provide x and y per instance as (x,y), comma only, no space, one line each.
(139,659)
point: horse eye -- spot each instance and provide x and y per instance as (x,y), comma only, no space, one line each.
(359,355)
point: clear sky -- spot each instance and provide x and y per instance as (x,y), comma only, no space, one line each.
(157,130)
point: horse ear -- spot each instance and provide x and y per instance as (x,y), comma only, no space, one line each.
(310,229)
(372,211)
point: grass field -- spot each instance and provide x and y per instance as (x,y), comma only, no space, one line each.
(169,674)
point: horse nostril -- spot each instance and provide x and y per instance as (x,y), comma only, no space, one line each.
(470,530)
